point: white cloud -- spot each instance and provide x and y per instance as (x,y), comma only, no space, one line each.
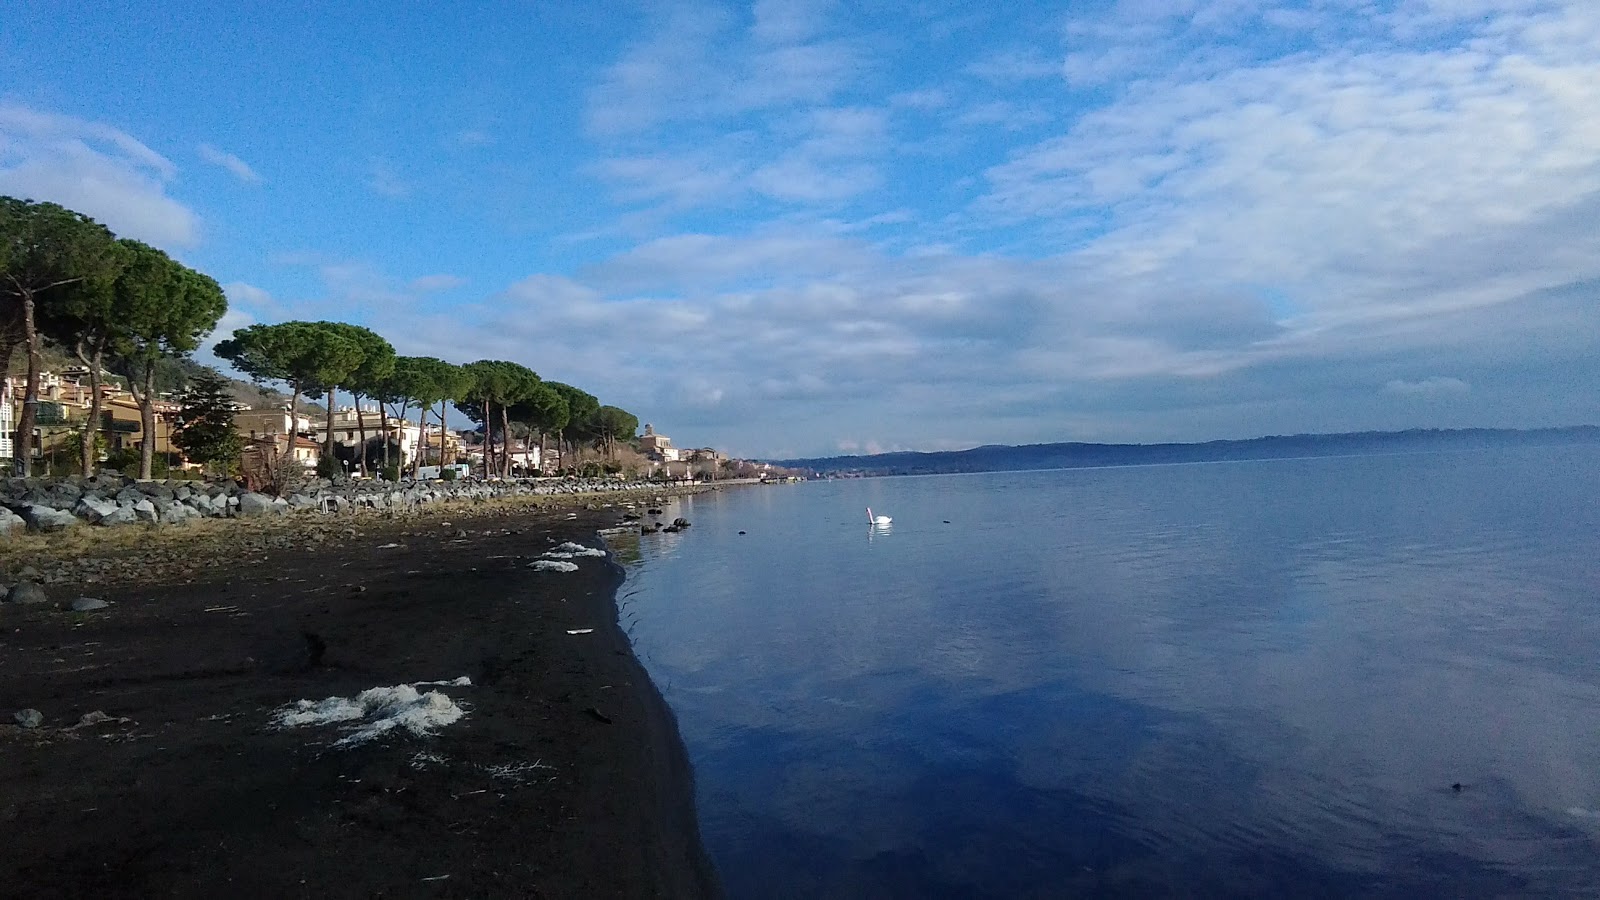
(428,284)
(386,181)
(240,169)
(241,292)
(1376,187)
(1435,387)
(95,169)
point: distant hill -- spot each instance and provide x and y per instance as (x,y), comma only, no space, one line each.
(1078,455)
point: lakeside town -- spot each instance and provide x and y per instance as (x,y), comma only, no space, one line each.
(270,429)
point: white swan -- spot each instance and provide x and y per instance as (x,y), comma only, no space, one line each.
(877,520)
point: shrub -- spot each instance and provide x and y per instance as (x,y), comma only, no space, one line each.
(447,474)
(328,467)
(391,473)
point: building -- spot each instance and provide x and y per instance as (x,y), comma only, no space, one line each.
(657,447)
(64,400)
(269,428)
(8,419)
(347,427)
(123,423)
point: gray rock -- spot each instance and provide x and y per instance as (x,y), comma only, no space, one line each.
(27,592)
(178,514)
(44,518)
(128,496)
(146,511)
(155,489)
(93,509)
(124,515)
(29,718)
(9,522)
(254,505)
(88,604)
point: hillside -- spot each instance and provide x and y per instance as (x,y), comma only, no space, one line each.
(996,458)
(171,376)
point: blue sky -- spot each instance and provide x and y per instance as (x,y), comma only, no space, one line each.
(804,228)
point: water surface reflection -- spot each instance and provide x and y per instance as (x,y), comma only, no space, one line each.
(1244,679)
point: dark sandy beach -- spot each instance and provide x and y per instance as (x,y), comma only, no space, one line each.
(565,778)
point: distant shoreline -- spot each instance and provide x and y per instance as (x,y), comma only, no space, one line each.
(1044,457)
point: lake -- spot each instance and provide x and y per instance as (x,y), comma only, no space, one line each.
(1351,676)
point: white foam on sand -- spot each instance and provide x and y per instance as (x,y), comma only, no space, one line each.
(375,712)
(552,565)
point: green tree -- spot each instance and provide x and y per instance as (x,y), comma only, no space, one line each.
(374,362)
(46,252)
(427,382)
(405,384)
(377,364)
(608,424)
(496,385)
(205,429)
(544,410)
(581,407)
(88,321)
(163,309)
(302,355)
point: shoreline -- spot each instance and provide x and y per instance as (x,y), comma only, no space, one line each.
(566,776)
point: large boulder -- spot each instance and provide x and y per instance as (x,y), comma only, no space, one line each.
(254,505)
(94,509)
(146,511)
(155,489)
(9,522)
(177,514)
(45,518)
(124,515)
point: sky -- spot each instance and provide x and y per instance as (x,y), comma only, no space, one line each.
(799,227)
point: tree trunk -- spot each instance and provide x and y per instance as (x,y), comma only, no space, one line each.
(488,439)
(23,444)
(92,426)
(294,423)
(361,427)
(327,439)
(147,422)
(541,452)
(505,442)
(384,412)
(444,406)
(419,452)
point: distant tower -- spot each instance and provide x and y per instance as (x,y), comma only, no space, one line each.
(649,429)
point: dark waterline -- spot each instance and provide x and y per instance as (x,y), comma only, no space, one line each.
(1259,678)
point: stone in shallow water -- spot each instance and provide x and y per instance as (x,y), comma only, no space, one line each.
(29,718)
(88,604)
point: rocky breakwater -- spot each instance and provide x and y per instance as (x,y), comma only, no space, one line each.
(45,505)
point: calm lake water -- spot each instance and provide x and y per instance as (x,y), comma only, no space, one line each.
(1257,679)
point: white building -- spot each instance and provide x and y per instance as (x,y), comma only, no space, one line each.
(347,429)
(8,419)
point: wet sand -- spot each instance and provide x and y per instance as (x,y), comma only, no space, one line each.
(566,777)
